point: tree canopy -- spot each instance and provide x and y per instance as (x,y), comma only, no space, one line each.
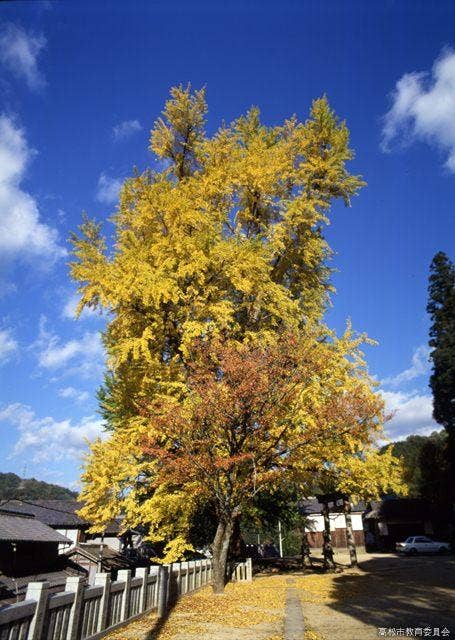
(226,238)
(421,470)
(221,374)
(441,308)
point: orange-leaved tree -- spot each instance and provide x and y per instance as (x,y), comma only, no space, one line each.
(252,416)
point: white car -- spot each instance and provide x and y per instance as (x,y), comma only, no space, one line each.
(421,544)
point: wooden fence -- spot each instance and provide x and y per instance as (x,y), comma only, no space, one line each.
(88,613)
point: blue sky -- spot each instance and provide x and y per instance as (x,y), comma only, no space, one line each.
(80,86)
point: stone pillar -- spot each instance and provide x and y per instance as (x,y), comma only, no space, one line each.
(185,566)
(155,572)
(38,591)
(103,580)
(249,570)
(163,581)
(178,581)
(197,574)
(192,568)
(124,575)
(75,584)
(143,573)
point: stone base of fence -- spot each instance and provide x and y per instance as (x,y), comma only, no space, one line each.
(88,613)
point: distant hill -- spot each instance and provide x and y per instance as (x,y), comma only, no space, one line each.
(12,486)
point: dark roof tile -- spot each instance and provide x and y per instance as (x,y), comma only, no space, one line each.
(22,528)
(55,513)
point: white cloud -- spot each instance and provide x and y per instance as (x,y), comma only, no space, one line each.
(423,109)
(19,52)
(74,394)
(21,231)
(70,306)
(83,356)
(57,354)
(420,367)
(108,189)
(126,129)
(8,345)
(412,414)
(44,439)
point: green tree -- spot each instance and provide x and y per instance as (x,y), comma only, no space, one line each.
(441,308)
(432,462)
(12,487)
(409,451)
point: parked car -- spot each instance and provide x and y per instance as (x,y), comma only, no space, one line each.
(420,544)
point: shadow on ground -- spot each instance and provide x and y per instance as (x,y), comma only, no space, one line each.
(399,592)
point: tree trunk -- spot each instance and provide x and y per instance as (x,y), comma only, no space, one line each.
(349,532)
(237,547)
(305,550)
(220,554)
(327,549)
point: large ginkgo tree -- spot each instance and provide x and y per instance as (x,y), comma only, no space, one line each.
(221,375)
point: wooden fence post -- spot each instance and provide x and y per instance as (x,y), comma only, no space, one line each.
(143,573)
(103,580)
(163,580)
(76,585)
(124,575)
(38,591)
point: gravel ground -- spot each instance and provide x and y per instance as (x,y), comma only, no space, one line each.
(386,592)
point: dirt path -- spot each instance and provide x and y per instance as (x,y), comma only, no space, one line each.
(293,618)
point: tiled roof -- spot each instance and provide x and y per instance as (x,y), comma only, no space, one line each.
(22,528)
(55,513)
(13,587)
(110,559)
(311,506)
(58,514)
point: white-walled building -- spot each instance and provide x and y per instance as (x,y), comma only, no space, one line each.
(313,510)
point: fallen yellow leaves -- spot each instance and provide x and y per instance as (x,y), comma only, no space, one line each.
(242,606)
(246,611)
(328,587)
